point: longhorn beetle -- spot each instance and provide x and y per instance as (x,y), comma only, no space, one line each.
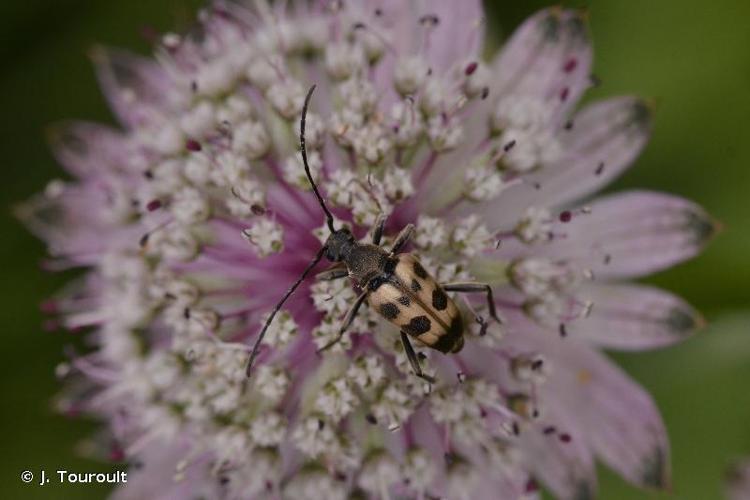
(393,283)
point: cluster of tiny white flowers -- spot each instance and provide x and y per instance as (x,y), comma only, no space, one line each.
(431,232)
(315,484)
(549,287)
(470,236)
(379,472)
(483,182)
(271,382)
(420,470)
(268,429)
(535,225)
(367,372)
(539,277)
(336,399)
(533,369)
(394,406)
(266,236)
(315,437)
(281,331)
(524,122)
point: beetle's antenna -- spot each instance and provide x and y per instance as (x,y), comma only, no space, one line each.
(278,306)
(329,215)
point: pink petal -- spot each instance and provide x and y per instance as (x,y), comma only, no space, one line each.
(548,56)
(70,224)
(457,34)
(156,474)
(136,87)
(82,147)
(605,139)
(632,234)
(614,416)
(567,469)
(634,317)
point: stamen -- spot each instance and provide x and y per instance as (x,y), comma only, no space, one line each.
(193,146)
(429,20)
(153,205)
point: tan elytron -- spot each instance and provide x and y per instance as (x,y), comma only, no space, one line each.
(413,301)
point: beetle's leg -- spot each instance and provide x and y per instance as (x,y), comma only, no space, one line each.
(473,288)
(333,273)
(413,360)
(377,229)
(348,320)
(403,238)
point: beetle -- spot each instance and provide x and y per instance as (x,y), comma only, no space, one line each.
(394,284)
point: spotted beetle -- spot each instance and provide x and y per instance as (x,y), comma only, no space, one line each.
(394,284)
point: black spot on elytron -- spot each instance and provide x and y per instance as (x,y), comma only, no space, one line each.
(415,286)
(389,310)
(452,340)
(404,301)
(419,270)
(390,266)
(418,325)
(439,299)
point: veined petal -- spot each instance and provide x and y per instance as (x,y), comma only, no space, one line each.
(632,234)
(548,57)
(137,88)
(606,138)
(616,417)
(634,317)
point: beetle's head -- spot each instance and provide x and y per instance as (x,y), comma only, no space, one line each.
(339,244)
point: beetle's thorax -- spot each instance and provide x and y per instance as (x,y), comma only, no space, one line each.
(365,261)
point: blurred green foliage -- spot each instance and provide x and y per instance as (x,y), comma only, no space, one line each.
(692,56)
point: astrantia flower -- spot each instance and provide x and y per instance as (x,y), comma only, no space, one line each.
(194,216)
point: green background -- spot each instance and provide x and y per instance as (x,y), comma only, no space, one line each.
(692,56)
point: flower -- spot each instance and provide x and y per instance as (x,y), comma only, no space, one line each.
(193,216)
